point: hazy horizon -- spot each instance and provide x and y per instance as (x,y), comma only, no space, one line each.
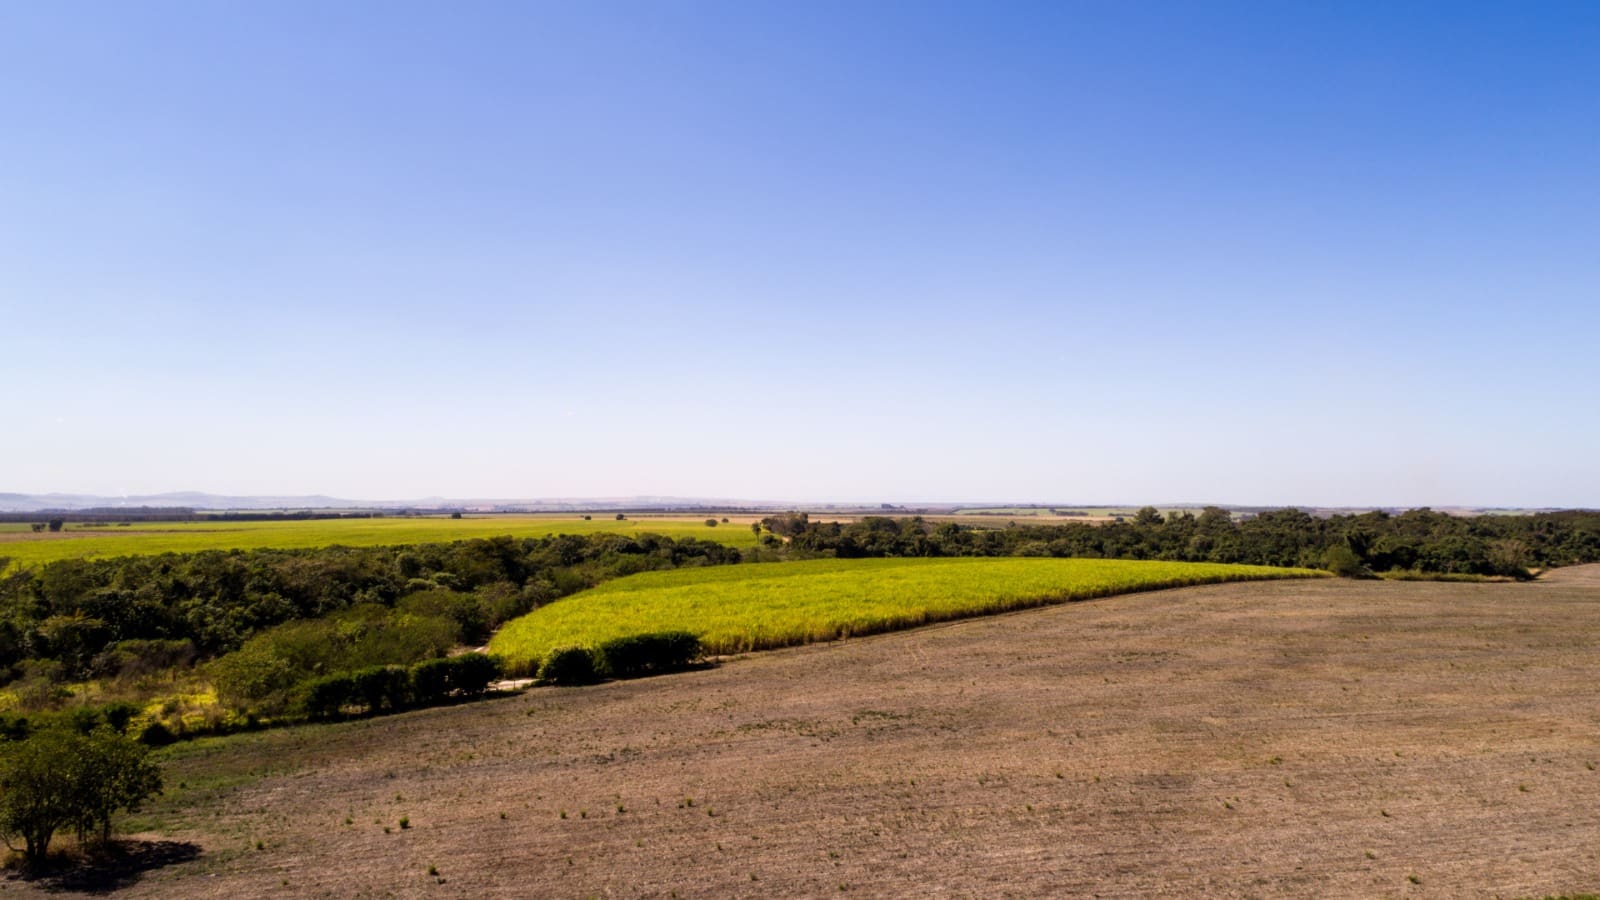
(1246,253)
(654,500)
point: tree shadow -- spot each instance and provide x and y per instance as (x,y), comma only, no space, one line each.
(110,868)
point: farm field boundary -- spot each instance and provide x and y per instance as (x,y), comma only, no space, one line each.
(740,608)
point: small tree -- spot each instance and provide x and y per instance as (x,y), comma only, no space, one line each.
(712,523)
(58,778)
(55,524)
(38,783)
(117,775)
(1343,562)
(620,517)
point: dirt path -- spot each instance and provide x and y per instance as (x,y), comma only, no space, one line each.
(1323,738)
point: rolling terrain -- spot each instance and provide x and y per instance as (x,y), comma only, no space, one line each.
(1310,737)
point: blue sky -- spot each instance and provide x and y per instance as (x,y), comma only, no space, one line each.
(1248,253)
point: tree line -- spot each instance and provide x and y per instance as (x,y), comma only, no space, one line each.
(1420,541)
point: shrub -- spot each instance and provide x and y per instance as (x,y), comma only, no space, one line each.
(471,673)
(1343,562)
(119,715)
(382,687)
(156,734)
(14,727)
(431,681)
(650,654)
(327,696)
(254,678)
(570,666)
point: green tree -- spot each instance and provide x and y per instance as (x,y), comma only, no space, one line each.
(58,778)
(117,775)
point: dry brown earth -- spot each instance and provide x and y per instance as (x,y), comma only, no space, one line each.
(1311,738)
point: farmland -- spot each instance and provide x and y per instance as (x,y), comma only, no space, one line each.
(734,609)
(25,548)
(1317,737)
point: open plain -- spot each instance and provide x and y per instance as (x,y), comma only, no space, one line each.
(1312,738)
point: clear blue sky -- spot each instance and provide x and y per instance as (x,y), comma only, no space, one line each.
(1331,253)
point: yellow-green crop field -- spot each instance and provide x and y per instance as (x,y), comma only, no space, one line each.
(190,537)
(762,605)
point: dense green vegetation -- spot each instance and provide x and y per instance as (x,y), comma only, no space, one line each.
(1420,541)
(734,609)
(273,620)
(95,540)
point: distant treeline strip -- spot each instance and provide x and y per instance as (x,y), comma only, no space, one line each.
(1419,541)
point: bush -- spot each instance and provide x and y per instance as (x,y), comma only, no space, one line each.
(432,681)
(650,654)
(570,666)
(157,734)
(119,715)
(382,687)
(254,679)
(472,672)
(1343,562)
(326,697)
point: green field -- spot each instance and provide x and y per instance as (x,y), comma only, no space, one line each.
(190,537)
(758,606)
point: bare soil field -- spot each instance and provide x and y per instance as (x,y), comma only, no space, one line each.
(1303,738)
